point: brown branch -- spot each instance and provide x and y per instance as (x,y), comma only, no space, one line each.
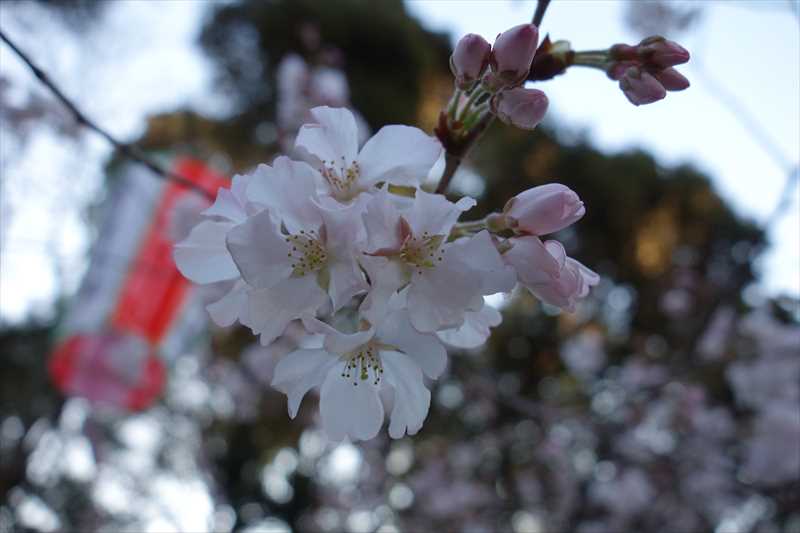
(541,7)
(131,151)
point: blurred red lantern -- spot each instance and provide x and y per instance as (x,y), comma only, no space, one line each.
(111,356)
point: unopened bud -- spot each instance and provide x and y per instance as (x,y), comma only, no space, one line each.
(641,87)
(469,60)
(672,80)
(623,52)
(544,209)
(617,70)
(512,55)
(520,107)
(660,53)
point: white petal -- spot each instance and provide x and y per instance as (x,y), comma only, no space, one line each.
(435,214)
(533,262)
(260,251)
(231,307)
(336,341)
(298,372)
(348,410)
(411,399)
(556,249)
(423,348)
(591,277)
(479,254)
(344,228)
(438,297)
(271,310)
(385,277)
(346,281)
(288,190)
(226,206)
(332,138)
(202,256)
(382,223)
(475,329)
(398,154)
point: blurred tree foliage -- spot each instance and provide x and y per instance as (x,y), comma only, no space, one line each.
(386,55)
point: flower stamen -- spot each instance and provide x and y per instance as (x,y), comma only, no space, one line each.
(342,178)
(307,253)
(362,362)
(422,252)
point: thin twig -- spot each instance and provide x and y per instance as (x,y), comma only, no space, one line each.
(451,164)
(786,197)
(453,160)
(131,151)
(761,135)
(541,7)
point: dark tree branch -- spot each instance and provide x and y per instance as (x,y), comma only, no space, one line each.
(541,7)
(131,151)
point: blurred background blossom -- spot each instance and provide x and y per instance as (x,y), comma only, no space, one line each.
(667,402)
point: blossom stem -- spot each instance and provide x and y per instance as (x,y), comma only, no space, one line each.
(451,164)
(590,59)
(472,119)
(453,160)
(454,104)
(476,94)
(470,226)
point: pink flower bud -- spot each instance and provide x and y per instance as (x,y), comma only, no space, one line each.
(624,52)
(617,69)
(641,87)
(672,80)
(520,107)
(512,54)
(469,59)
(661,53)
(544,209)
(546,271)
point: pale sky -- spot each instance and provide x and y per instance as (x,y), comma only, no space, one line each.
(142,60)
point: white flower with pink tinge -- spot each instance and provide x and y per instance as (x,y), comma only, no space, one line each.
(410,247)
(544,268)
(546,271)
(351,370)
(295,253)
(204,258)
(399,155)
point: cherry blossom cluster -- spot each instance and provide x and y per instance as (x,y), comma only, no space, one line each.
(380,273)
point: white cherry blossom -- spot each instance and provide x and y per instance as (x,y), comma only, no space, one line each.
(475,329)
(445,279)
(400,155)
(204,258)
(351,370)
(295,252)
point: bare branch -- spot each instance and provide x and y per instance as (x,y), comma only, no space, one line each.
(541,7)
(131,151)
(758,132)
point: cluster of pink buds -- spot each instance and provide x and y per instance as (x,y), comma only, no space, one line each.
(489,82)
(645,72)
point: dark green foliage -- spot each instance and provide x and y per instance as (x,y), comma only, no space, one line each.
(386,52)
